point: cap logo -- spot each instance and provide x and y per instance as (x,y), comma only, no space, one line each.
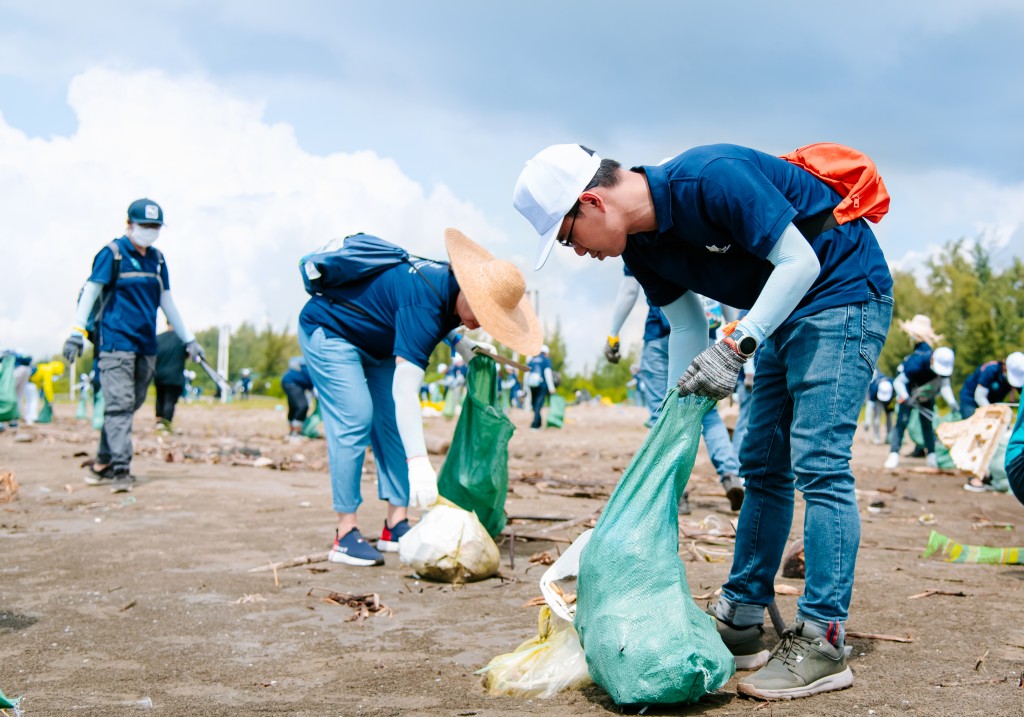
(152,211)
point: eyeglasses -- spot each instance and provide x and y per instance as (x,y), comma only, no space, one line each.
(568,237)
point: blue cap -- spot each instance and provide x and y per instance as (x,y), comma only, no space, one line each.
(145,211)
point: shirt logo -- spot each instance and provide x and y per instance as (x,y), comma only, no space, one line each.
(717,249)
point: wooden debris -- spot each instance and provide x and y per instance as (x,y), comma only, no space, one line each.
(129,606)
(255,597)
(989,524)
(535,602)
(294,562)
(981,660)
(549,533)
(970,683)
(781,589)
(8,487)
(928,593)
(877,636)
(974,440)
(365,605)
(793,561)
(543,558)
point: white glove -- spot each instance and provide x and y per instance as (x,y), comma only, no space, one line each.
(422,483)
(466,345)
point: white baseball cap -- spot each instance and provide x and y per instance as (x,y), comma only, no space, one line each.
(942,361)
(884,391)
(548,187)
(544,349)
(1015,369)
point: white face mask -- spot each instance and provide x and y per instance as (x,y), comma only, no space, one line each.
(144,236)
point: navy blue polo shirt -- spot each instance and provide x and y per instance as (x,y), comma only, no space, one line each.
(917,366)
(394,313)
(129,317)
(299,377)
(991,376)
(720,210)
(656,326)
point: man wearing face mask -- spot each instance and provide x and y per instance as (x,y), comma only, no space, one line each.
(117,312)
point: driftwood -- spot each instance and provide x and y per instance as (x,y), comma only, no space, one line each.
(8,487)
(550,533)
(365,605)
(878,636)
(928,593)
(973,441)
(294,562)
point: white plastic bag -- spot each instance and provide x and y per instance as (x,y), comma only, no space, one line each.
(541,666)
(450,545)
(567,565)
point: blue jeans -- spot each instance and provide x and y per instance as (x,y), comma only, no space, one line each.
(903,419)
(811,378)
(654,382)
(743,396)
(358,410)
(538,395)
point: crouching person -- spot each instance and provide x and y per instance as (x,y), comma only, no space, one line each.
(367,347)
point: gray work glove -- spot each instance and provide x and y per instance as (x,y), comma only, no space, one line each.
(194,350)
(712,373)
(73,348)
(611,350)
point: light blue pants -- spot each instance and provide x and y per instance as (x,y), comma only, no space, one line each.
(358,410)
(812,375)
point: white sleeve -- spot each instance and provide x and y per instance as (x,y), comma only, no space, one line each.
(174,318)
(869,412)
(947,394)
(625,299)
(796,268)
(899,384)
(549,379)
(981,395)
(90,292)
(689,334)
(405,389)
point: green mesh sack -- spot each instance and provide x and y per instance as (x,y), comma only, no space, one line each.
(556,411)
(475,471)
(311,426)
(451,401)
(98,408)
(645,639)
(8,391)
(945,461)
(46,412)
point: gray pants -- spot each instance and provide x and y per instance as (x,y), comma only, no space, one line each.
(124,378)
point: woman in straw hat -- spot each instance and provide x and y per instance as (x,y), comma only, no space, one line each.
(367,348)
(922,375)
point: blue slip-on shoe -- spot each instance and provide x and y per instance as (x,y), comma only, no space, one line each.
(389,537)
(352,549)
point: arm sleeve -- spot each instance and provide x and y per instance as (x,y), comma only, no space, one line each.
(90,293)
(549,379)
(947,394)
(171,312)
(405,389)
(899,384)
(625,299)
(796,268)
(689,333)
(869,412)
(981,395)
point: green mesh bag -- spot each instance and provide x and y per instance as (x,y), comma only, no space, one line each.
(98,411)
(944,460)
(645,639)
(556,411)
(475,471)
(8,392)
(311,426)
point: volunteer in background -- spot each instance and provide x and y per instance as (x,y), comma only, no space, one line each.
(879,402)
(367,351)
(245,384)
(653,383)
(129,280)
(921,376)
(753,231)
(540,378)
(992,382)
(295,382)
(169,376)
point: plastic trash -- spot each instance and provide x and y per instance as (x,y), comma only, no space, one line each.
(542,666)
(954,552)
(567,566)
(645,639)
(450,545)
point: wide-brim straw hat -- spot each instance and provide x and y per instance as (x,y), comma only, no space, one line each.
(496,291)
(920,328)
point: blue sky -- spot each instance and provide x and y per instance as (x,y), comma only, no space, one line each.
(267,128)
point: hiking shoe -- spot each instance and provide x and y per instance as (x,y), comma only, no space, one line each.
(733,487)
(801,665)
(893,461)
(95,477)
(979,486)
(931,460)
(684,504)
(745,643)
(352,549)
(918,452)
(121,482)
(389,537)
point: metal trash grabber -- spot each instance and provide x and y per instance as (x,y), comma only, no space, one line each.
(221,382)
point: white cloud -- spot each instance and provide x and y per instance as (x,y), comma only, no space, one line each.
(242,202)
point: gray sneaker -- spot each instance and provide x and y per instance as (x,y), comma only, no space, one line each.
(733,487)
(745,643)
(800,666)
(122,482)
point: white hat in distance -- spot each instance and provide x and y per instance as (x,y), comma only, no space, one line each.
(549,186)
(942,361)
(1015,369)
(884,391)
(544,349)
